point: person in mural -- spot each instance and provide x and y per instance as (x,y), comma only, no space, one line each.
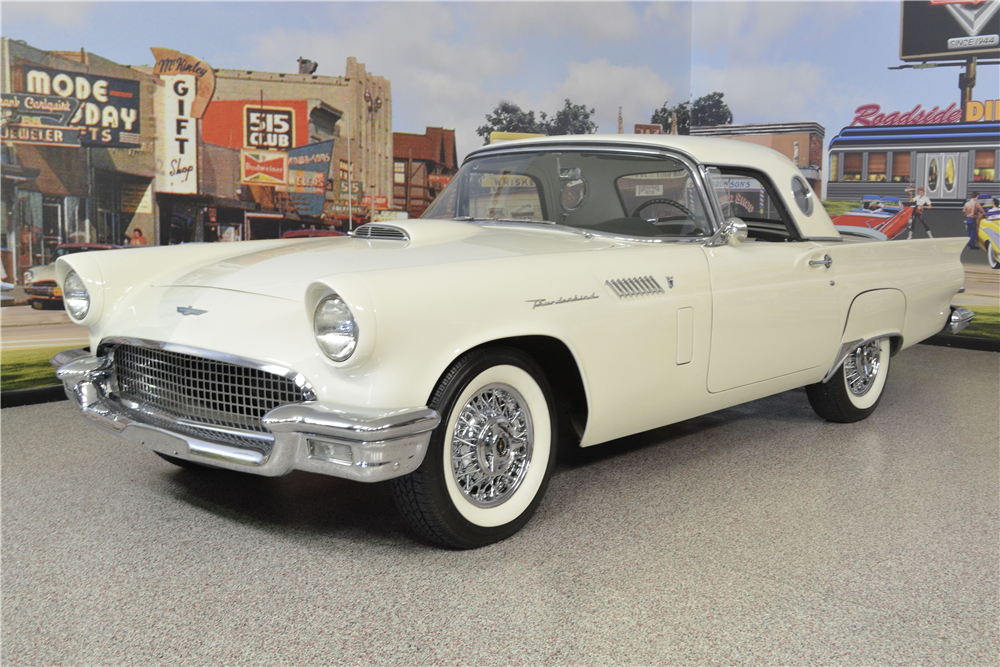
(919,203)
(137,237)
(973,212)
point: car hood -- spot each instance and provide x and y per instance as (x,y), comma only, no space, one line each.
(286,270)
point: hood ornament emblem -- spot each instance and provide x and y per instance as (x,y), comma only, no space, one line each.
(187,310)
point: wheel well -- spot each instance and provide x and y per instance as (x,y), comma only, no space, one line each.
(563,374)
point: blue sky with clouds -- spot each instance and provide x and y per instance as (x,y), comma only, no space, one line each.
(451,62)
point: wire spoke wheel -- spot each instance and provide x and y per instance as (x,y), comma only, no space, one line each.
(855,390)
(861,367)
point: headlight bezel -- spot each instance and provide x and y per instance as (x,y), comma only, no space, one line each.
(338,334)
(73,294)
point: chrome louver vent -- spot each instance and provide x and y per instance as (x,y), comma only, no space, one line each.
(381,233)
(629,287)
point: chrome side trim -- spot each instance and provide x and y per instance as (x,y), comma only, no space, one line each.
(287,373)
(629,287)
(958,320)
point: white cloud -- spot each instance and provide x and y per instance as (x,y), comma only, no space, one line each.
(771,93)
(62,14)
(592,22)
(598,84)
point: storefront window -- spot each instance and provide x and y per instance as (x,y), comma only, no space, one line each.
(900,167)
(876,167)
(834,164)
(985,168)
(852,166)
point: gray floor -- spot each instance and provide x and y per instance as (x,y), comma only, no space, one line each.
(757,535)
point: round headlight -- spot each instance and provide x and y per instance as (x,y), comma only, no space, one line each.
(75,296)
(336,330)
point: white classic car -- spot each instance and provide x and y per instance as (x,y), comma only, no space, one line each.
(567,290)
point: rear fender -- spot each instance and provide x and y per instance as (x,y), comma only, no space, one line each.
(875,314)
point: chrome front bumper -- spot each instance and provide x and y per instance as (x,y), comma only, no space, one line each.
(367,446)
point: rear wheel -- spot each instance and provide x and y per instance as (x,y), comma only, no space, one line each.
(489,462)
(856,388)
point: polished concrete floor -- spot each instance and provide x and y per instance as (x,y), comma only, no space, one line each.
(756,535)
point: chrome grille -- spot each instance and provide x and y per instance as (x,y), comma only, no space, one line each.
(166,385)
(628,287)
(381,233)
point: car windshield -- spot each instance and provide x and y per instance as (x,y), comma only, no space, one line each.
(616,193)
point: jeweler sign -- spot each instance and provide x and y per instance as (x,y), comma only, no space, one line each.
(108,112)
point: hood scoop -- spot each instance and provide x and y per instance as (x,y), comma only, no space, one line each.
(381,232)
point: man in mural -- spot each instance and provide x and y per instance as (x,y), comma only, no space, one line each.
(974,212)
(921,202)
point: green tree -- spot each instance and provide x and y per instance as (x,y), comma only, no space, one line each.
(508,117)
(571,119)
(665,116)
(710,110)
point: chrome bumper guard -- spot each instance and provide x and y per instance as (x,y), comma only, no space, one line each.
(959,319)
(367,446)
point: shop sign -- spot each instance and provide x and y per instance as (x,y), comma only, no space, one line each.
(869,115)
(308,168)
(381,202)
(949,29)
(653,128)
(352,190)
(986,111)
(271,128)
(177,163)
(263,167)
(108,112)
(49,109)
(438,180)
(170,63)
(42,135)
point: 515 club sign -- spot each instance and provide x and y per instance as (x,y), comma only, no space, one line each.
(270,128)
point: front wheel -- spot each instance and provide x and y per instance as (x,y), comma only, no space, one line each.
(855,390)
(489,462)
(992,255)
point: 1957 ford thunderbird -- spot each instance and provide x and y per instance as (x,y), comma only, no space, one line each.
(568,290)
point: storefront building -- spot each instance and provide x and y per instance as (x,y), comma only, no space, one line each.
(423,165)
(78,154)
(802,143)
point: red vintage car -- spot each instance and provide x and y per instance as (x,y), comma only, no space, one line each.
(880,217)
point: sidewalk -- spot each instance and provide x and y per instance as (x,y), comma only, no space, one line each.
(982,287)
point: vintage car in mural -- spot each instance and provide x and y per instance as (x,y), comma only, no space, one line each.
(40,281)
(560,292)
(879,217)
(988,234)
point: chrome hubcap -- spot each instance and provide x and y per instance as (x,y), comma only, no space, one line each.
(861,367)
(491,445)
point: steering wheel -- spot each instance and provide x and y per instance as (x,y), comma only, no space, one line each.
(664,200)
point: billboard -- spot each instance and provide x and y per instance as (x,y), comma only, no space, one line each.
(308,171)
(949,29)
(269,125)
(108,111)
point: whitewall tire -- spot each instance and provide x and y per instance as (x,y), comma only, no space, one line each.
(855,390)
(490,460)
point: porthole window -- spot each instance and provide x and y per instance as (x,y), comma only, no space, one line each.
(803,195)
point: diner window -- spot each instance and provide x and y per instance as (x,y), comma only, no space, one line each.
(852,166)
(900,167)
(985,166)
(876,167)
(834,165)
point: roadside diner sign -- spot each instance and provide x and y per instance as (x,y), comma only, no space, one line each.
(949,29)
(263,167)
(872,115)
(107,112)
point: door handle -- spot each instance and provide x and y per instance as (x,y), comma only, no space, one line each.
(827,261)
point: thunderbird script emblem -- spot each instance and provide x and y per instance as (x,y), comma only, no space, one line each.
(185,310)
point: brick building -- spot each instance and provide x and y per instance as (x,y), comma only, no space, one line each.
(422,165)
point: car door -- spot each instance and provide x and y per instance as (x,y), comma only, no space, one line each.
(774,305)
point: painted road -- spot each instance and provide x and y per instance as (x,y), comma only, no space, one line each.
(21,327)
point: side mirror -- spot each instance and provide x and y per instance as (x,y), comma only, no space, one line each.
(732,232)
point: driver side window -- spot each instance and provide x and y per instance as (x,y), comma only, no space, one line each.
(752,199)
(668,200)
